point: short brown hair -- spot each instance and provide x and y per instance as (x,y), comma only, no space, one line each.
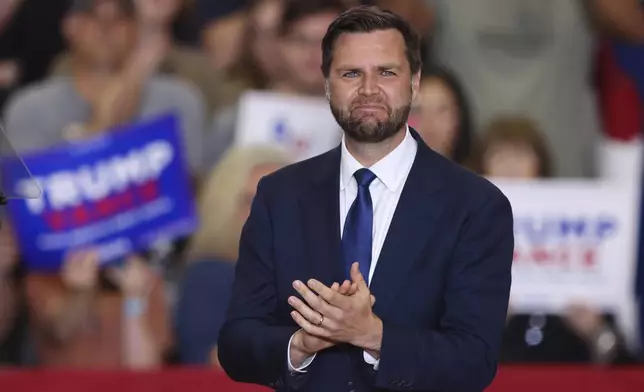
(365,19)
(518,130)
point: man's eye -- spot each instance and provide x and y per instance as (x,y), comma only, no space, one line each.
(388,73)
(351,74)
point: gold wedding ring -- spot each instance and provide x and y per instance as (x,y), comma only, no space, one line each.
(321,320)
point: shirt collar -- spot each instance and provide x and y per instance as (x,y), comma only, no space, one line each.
(389,169)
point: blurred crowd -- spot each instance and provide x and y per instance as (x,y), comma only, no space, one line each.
(510,88)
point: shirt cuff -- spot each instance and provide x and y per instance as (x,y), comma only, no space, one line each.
(305,364)
(371,360)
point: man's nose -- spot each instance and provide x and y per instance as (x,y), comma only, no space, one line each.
(369,84)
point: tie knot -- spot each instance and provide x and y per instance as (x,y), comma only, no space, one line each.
(364,177)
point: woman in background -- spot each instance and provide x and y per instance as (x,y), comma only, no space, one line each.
(514,148)
(441,114)
(224,206)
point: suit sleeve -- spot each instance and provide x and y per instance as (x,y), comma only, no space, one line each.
(252,348)
(462,355)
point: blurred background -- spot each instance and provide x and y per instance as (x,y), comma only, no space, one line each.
(544,97)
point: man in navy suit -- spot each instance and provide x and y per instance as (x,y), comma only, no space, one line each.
(382,216)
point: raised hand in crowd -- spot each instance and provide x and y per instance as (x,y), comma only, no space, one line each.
(72,311)
(584,320)
(119,101)
(603,340)
(80,271)
(154,20)
(135,279)
(156,14)
(142,345)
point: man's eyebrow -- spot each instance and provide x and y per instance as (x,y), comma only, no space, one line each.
(386,67)
(382,67)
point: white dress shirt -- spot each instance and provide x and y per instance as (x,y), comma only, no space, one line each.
(391,172)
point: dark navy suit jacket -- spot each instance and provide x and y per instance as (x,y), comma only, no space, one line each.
(442,281)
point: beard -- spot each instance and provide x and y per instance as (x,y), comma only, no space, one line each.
(367,128)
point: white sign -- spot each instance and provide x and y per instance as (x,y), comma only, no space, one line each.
(304,126)
(575,241)
(620,160)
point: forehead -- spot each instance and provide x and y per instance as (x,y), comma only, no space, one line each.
(365,50)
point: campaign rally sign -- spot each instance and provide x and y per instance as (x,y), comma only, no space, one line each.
(303,126)
(575,241)
(121,191)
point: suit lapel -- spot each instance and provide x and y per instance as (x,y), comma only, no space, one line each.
(412,226)
(320,212)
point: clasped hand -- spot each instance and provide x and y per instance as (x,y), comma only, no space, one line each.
(333,316)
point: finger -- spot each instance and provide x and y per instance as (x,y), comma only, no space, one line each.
(305,311)
(308,327)
(346,287)
(75,261)
(115,275)
(311,298)
(334,298)
(356,276)
(136,259)
(336,287)
(353,288)
(90,260)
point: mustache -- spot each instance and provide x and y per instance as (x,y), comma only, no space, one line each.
(369,102)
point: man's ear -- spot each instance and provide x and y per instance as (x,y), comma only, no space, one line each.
(415,85)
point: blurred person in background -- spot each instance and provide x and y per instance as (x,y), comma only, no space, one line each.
(223,23)
(259,63)
(112,83)
(30,38)
(513,147)
(13,310)
(535,58)
(155,20)
(224,206)
(441,114)
(97,317)
(420,15)
(301,27)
